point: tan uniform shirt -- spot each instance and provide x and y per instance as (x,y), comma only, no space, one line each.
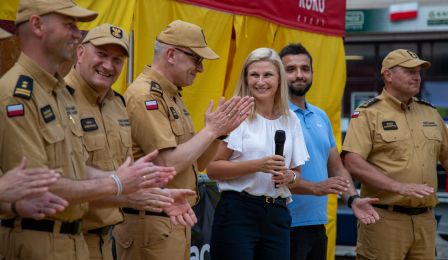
(39,120)
(402,142)
(159,120)
(106,137)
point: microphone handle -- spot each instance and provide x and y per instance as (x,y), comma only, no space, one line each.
(278,151)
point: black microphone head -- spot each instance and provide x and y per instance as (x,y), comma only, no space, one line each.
(280,137)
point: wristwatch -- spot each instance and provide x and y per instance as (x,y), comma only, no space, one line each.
(351,199)
(222,137)
(293,180)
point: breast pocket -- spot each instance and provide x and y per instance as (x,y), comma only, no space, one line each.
(178,131)
(394,144)
(94,143)
(54,145)
(433,140)
(127,145)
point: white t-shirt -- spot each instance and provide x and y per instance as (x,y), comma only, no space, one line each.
(255,140)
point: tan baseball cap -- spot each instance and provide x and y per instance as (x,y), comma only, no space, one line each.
(404,58)
(4,34)
(28,8)
(108,34)
(183,34)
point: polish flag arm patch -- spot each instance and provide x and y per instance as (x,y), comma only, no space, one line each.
(151,105)
(356,114)
(15,110)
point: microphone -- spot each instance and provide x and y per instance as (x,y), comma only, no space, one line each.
(279,139)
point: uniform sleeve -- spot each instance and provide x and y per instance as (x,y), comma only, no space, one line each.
(299,152)
(21,136)
(150,125)
(358,139)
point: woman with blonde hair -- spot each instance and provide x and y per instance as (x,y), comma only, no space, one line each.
(252,220)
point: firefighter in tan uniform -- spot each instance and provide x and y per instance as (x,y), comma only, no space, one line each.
(39,120)
(106,131)
(392,147)
(160,121)
(21,183)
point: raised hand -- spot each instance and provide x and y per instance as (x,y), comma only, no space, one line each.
(363,210)
(20,183)
(39,206)
(228,115)
(180,210)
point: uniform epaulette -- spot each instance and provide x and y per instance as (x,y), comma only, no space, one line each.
(24,87)
(425,102)
(155,87)
(122,98)
(369,102)
(70,89)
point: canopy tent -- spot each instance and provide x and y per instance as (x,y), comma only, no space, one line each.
(233,29)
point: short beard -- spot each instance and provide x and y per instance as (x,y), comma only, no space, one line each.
(300,91)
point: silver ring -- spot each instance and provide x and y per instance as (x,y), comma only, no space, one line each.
(241,114)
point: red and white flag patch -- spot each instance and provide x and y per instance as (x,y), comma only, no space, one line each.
(151,105)
(15,110)
(356,114)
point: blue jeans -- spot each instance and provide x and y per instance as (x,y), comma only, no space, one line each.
(309,243)
(245,228)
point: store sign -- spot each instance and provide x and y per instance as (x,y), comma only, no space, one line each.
(354,21)
(318,16)
(438,17)
(430,18)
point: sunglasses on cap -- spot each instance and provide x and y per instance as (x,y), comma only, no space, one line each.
(198,59)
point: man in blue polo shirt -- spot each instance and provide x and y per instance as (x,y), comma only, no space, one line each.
(324,173)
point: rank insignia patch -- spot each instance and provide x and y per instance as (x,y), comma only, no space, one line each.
(89,124)
(156,87)
(47,114)
(116,32)
(15,110)
(24,87)
(186,112)
(176,116)
(151,105)
(390,125)
(355,114)
(369,102)
(71,110)
(124,122)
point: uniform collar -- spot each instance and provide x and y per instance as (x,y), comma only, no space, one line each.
(308,109)
(86,89)
(48,82)
(395,103)
(166,85)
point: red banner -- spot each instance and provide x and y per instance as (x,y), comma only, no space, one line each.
(318,16)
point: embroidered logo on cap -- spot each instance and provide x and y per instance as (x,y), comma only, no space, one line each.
(413,55)
(47,114)
(15,110)
(390,125)
(151,105)
(116,32)
(89,124)
(24,87)
(356,114)
(174,113)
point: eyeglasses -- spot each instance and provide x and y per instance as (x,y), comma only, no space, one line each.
(198,59)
